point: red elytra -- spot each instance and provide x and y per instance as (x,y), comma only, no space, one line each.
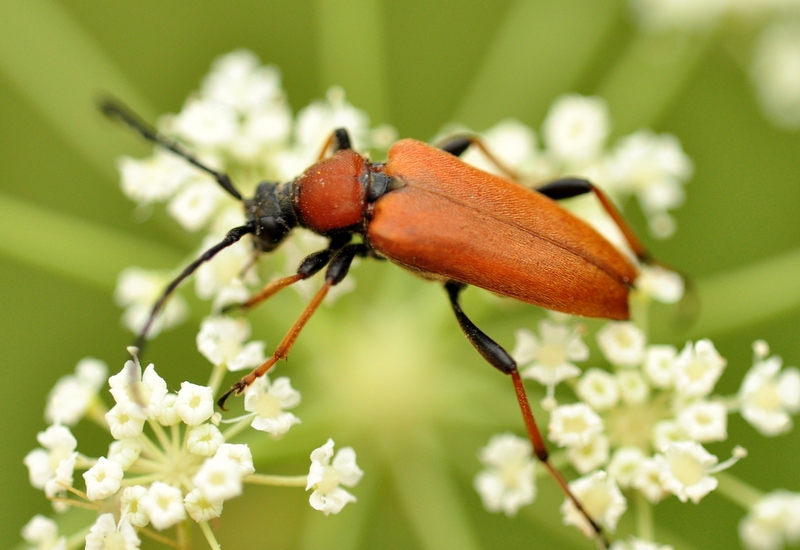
(451,221)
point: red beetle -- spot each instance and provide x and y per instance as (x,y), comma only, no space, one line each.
(431,213)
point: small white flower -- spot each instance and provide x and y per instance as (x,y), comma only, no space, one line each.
(598,389)
(574,425)
(240,454)
(106,534)
(666,432)
(267,401)
(167,415)
(704,421)
(125,420)
(769,395)
(204,440)
(195,204)
(697,369)
(234,293)
(648,480)
(661,284)
(326,476)
(50,468)
(263,130)
(225,269)
(508,481)
(633,387)
(655,168)
(42,533)
(125,452)
(622,343)
(238,80)
(137,290)
(316,122)
(773,522)
(511,142)
(103,479)
(72,395)
(576,128)
(776,72)
(205,123)
(221,341)
(638,544)
(600,497)
(219,478)
(195,404)
(549,358)
(624,465)
(164,505)
(156,178)
(131,508)
(590,456)
(150,387)
(201,508)
(685,467)
(658,365)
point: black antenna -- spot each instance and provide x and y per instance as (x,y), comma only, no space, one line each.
(233,236)
(114,108)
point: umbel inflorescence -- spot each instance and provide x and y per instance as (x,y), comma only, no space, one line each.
(633,428)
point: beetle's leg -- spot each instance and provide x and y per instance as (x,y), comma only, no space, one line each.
(566,188)
(337,270)
(501,360)
(233,236)
(114,108)
(459,144)
(337,141)
(310,265)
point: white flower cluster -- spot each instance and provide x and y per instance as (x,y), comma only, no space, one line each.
(652,167)
(775,59)
(185,466)
(641,426)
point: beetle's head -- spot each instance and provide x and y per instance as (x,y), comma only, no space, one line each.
(271,215)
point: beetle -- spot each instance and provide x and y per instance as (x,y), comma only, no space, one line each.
(429,212)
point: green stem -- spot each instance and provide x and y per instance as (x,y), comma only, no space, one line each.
(217,375)
(644,518)
(277,481)
(142,480)
(738,491)
(150,449)
(209,535)
(161,435)
(237,428)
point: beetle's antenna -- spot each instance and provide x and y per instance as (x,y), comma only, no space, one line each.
(114,108)
(233,236)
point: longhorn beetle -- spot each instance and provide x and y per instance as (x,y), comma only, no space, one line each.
(429,212)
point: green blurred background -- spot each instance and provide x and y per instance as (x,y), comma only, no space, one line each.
(66,230)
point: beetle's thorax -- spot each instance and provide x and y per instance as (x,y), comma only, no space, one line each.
(333,195)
